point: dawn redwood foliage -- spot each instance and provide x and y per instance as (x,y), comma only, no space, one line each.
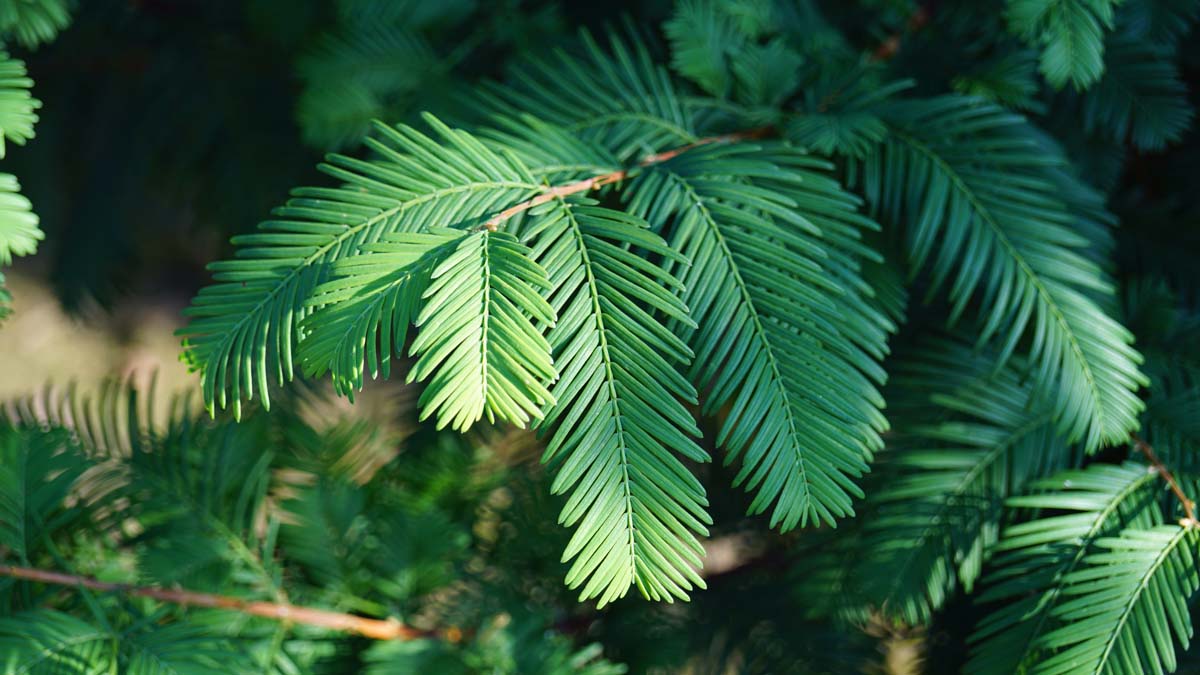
(917,277)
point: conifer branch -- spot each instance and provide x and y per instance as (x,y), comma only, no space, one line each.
(596,182)
(389,629)
(1189,506)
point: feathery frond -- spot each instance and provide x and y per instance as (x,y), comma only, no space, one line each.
(19,232)
(1070,34)
(1037,560)
(1009,79)
(788,341)
(52,642)
(358,75)
(971,183)
(618,425)
(363,314)
(17,104)
(720,47)
(840,112)
(618,99)
(34,22)
(246,327)
(37,472)
(478,343)
(1126,607)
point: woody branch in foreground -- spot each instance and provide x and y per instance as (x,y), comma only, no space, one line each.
(1189,506)
(377,629)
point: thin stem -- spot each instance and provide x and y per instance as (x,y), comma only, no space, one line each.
(1189,506)
(377,629)
(595,182)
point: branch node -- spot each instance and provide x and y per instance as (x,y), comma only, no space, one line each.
(1156,466)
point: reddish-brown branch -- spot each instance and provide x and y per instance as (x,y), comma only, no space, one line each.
(372,628)
(891,44)
(595,182)
(1189,507)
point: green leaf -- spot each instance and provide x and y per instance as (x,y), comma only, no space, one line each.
(1037,559)
(967,436)
(618,99)
(1126,606)
(981,200)
(19,232)
(363,314)
(34,22)
(52,643)
(479,345)
(1070,34)
(619,426)
(789,340)
(246,326)
(17,105)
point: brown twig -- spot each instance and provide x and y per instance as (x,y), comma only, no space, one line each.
(389,629)
(1189,507)
(891,44)
(596,182)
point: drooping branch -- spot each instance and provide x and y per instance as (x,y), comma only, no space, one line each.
(1189,506)
(377,629)
(596,182)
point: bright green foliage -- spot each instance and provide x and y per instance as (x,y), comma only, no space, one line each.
(33,22)
(248,325)
(478,343)
(341,295)
(19,231)
(994,224)
(1127,605)
(30,22)
(1038,560)
(371,301)
(619,423)
(17,105)
(1069,33)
